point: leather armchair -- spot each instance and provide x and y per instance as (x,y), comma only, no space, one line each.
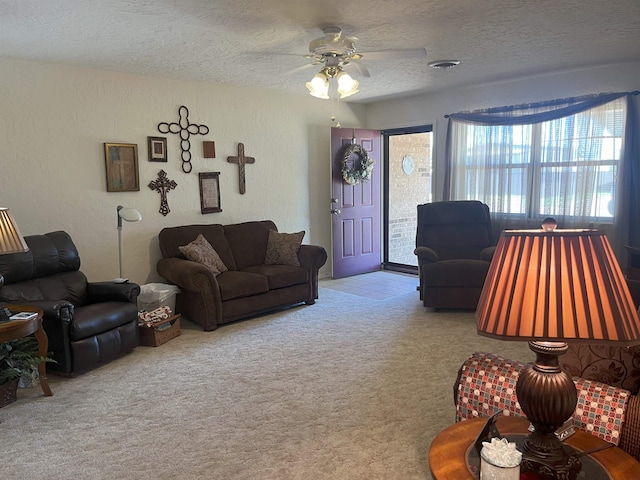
(454,246)
(88,324)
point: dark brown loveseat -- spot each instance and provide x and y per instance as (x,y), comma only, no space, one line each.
(249,286)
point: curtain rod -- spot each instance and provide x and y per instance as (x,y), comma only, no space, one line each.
(544,103)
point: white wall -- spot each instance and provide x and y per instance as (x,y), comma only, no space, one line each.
(53,123)
(54,120)
(431,109)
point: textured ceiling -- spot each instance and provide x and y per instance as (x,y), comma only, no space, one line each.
(259,43)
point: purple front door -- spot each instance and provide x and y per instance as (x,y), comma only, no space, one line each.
(355,209)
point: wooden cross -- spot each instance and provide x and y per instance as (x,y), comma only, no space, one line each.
(241,160)
(162,185)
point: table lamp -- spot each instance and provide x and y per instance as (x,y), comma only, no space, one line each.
(129,215)
(547,287)
(11,241)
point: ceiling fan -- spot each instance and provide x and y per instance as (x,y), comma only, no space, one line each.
(337,53)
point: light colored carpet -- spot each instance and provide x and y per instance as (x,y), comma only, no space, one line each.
(348,388)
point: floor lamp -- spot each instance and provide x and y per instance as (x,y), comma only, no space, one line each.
(128,215)
(549,287)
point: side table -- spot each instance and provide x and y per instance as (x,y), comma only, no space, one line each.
(15,329)
(448,451)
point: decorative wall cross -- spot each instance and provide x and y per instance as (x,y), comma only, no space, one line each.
(162,185)
(185,129)
(241,160)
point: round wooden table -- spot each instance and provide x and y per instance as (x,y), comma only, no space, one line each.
(15,329)
(447,455)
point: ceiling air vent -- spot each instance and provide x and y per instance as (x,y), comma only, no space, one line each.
(441,64)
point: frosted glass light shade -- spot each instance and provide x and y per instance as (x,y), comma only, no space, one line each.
(319,86)
(347,86)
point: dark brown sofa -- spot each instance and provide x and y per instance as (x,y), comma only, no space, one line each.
(87,323)
(249,287)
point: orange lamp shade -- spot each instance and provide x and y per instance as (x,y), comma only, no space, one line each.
(10,239)
(562,285)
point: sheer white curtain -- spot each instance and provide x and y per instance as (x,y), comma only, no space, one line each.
(525,169)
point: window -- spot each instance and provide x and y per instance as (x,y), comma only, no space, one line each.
(565,167)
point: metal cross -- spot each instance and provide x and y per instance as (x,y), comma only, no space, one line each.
(241,160)
(162,185)
(185,129)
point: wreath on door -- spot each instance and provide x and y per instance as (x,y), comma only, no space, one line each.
(358,170)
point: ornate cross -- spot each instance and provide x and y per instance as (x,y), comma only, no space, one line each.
(162,185)
(241,160)
(185,129)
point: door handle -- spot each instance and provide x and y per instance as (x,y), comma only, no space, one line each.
(335,211)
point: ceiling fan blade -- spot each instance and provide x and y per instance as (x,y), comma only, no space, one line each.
(298,69)
(392,54)
(358,69)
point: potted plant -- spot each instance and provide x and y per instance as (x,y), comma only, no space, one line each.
(18,358)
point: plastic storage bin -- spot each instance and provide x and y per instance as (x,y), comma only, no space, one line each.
(156,295)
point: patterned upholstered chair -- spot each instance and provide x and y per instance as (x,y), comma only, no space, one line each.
(486,385)
(617,366)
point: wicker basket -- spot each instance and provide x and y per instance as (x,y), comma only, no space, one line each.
(8,392)
(159,333)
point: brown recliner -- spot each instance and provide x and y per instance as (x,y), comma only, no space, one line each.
(454,246)
(88,324)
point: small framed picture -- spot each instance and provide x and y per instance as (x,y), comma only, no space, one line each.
(209,149)
(209,192)
(121,161)
(157,147)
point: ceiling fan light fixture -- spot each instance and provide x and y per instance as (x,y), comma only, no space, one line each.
(319,86)
(336,52)
(347,86)
(444,64)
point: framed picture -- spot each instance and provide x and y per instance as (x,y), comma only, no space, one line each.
(121,160)
(209,149)
(209,192)
(157,147)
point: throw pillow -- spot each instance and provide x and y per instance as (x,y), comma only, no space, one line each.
(201,251)
(282,248)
